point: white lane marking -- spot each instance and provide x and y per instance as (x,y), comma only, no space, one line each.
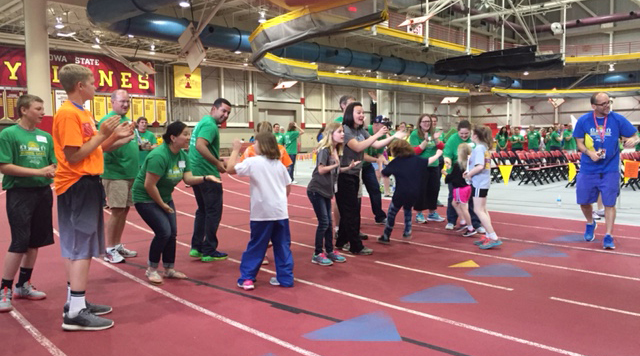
(415,312)
(555,229)
(523,261)
(209,313)
(573,247)
(507,258)
(594,306)
(36,334)
(444,276)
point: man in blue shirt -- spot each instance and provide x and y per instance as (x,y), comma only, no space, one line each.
(600,164)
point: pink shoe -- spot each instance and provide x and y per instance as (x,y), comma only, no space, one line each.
(247,285)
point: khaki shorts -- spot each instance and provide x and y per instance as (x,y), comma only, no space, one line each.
(118,192)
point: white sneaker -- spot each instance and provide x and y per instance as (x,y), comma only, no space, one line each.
(595,216)
(294,182)
(449,226)
(126,253)
(600,213)
(481,230)
(113,256)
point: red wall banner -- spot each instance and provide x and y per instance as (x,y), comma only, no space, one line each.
(109,73)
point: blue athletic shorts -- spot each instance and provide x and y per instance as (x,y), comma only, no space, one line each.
(588,186)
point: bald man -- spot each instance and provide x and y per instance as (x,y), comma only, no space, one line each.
(600,165)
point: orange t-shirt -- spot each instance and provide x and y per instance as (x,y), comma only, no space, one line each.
(284,156)
(73,127)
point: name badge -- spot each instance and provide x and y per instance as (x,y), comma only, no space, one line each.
(181,164)
(41,138)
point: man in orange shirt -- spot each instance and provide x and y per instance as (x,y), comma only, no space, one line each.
(78,148)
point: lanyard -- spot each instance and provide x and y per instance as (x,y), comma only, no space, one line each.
(604,127)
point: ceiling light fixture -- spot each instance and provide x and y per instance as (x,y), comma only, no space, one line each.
(152,49)
(184,3)
(130,36)
(525,73)
(59,25)
(238,52)
(96,46)
(66,34)
(611,68)
(263,17)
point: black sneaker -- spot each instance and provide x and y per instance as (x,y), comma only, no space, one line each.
(406,236)
(382,222)
(363,236)
(85,320)
(384,239)
(469,233)
(216,256)
(95,309)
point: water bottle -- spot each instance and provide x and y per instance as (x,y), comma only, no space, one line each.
(559,201)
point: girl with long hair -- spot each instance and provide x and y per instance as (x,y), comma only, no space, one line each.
(479,171)
(461,189)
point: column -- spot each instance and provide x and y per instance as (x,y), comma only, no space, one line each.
(37,51)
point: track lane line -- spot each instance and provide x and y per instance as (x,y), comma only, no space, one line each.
(406,310)
(444,276)
(594,306)
(36,334)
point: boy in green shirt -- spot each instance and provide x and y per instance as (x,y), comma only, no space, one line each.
(120,169)
(147,141)
(516,140)
(291,144)
(204,159)
(27,161)
(277,134)
(533,138)
(555,141)
(569,142)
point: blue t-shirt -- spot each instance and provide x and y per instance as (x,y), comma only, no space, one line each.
(617,126)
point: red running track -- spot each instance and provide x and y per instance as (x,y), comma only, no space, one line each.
(582,304)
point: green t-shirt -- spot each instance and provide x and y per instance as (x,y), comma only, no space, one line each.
(29,149)
(123,162)
(429,151)
(638,145)
(165,164)
(501,141)
(291,141)
(279,138)
(338,119)
(373,152)
(207,128)
(145,137)
(451,147)
(534,139)
(516,141)
(553,141)
(569,144)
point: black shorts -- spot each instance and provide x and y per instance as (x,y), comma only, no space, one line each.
(30,217)
(479,193)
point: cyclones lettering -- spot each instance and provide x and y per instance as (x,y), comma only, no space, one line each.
(109,73)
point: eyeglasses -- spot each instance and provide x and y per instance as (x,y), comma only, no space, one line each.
(605,103)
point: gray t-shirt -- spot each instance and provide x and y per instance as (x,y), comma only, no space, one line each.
(350,155)
(324,184)
(481,156)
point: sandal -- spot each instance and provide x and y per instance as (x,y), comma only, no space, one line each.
(154,277)
(172,273)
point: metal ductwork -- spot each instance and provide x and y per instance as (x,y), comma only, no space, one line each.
(105,12)
(170,28)
(590,21)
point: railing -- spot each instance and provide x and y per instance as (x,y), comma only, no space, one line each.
(483,43)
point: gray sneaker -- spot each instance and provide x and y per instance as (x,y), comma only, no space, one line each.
(85,320)
(28,291)
(95,309)
(126,253)
(5,300)
(364,252)
(274,281)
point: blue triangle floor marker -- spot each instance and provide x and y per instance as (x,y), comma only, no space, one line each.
(376,326)
(499,270)
(540,252)
(570,238)
(446,293)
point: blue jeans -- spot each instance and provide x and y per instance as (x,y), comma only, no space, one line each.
(261,233)
(373,188)
(391,218)
(165,230)
(324,233)
(205,227)
(452,216)
(293,165)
